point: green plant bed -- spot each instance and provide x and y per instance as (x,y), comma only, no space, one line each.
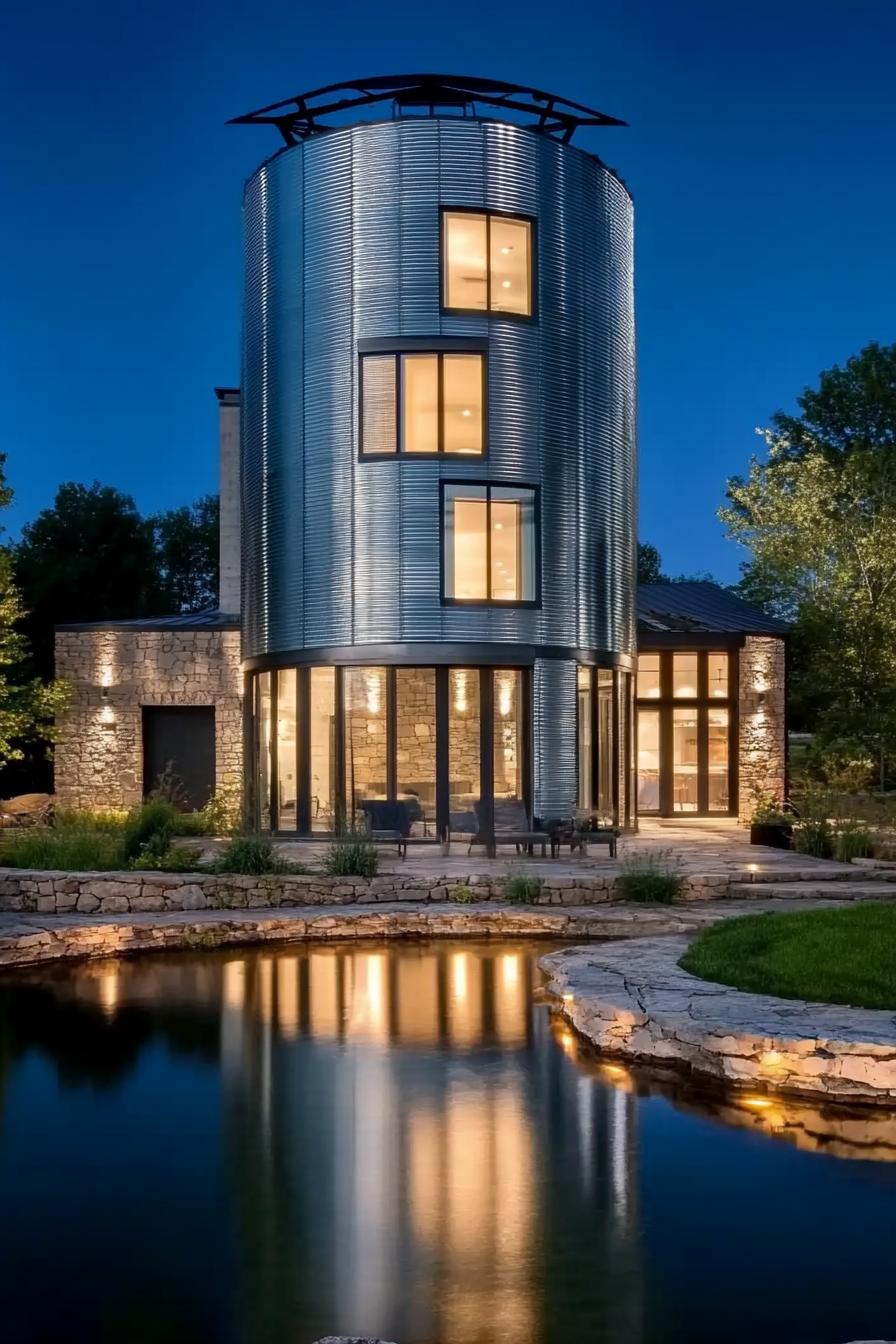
(828,956)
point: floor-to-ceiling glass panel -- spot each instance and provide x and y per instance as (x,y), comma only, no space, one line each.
(606,747)
(586,737)
(415,744)
(648,676)
(648,760)
(365,736)
(286,749)
(508,733)
(684,676)
(684,760)
(717,675)
(322,747)
(718,799)
(263,781)
(463,738)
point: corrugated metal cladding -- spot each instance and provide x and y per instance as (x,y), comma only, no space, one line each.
(554,736)
(342,245)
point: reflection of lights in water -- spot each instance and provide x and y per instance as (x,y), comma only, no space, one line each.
(757,1103)
(585,1120)
(234,984)
(288,997)
(108,989)
(459,974)
(568,998)
(510,965)
(619,1153)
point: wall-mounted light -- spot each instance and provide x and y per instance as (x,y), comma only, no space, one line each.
(460,692)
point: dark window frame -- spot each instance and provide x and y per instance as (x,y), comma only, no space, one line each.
(486,679)
(398,353)
(667,702)
(532,603)
(488,214)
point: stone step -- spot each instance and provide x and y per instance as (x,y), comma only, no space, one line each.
(788,871)
(837,890)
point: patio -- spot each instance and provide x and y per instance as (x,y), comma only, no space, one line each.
(704,847)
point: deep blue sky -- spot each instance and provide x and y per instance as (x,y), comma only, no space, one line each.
(760,155)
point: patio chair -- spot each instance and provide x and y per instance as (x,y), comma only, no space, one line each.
(512,827)
(586,828)
(389,823)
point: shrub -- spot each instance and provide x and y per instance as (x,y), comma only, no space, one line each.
(522,888)
(462,894)
(853,842)
(352,854)
(650,877)
(145,821)
(252,854)
(168,787)
(69,849)
(170,859)
(108,820)
(812,835)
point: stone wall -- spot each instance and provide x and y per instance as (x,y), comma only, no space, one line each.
(763,740)
(25,890)
(113,673)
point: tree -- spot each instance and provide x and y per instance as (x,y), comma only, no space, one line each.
(650,566)
(186,544)
(90,557)
(852,408)
(818,516)
(27,705)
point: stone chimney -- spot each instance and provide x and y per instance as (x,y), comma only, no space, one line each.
(229,488)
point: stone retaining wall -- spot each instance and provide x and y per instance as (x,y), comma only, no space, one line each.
(637,1002)
(131,892)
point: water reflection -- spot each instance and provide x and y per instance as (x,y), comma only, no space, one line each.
(411,1145)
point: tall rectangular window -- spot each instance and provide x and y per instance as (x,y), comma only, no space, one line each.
(427,403)
(488,543)
(487,262)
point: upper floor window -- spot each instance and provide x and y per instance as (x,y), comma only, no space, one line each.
(487,262)
(423,403)
(488,543)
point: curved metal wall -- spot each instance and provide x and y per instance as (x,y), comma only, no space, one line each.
(342,245)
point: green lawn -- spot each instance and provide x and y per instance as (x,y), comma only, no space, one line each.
(832,956)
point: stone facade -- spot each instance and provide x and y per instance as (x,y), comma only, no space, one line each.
(113,673)
(762,762)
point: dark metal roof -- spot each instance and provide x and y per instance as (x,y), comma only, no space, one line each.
(701,608)
(185,620)
(420,95)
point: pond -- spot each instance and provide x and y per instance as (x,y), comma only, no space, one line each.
(267,1146)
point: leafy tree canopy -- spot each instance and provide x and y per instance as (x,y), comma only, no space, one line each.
(92,557)
(186,544)
(650,566)
(818,517)
(27,706)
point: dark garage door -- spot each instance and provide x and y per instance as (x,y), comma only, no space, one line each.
(181,738)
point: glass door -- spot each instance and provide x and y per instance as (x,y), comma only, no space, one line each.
(648,760)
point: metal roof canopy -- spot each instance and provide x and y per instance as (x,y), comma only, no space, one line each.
(301,116)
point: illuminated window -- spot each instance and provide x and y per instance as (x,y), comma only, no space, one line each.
(648,676)
(488,263)
(717,675)
(442,400)
(684,676)
(489,543)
